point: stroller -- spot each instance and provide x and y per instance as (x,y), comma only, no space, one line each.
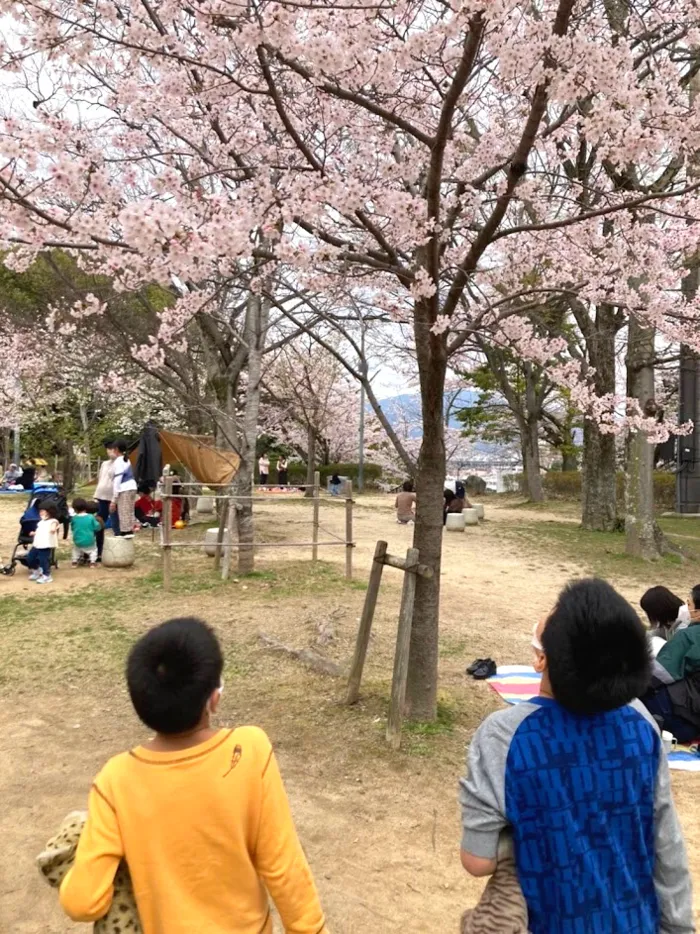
(29,521)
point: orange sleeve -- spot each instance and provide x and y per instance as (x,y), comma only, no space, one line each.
(87,890)
(280,859)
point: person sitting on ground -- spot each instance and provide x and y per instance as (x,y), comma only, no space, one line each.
(199,814)
(84,527)
(580,776)
(452,504)
(12,475)
(146,508)
(674,695)
(405,503)
(664,611)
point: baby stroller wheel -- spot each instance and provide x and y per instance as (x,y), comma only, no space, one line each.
(9,569)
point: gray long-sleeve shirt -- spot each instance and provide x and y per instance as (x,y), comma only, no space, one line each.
(597,842)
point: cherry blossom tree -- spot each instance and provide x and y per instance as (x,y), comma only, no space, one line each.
(417,149)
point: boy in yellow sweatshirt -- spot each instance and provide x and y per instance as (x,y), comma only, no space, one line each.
(199,814)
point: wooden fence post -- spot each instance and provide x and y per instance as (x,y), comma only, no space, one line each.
(223,524)
(358,661)
(348,531)
(317,504)
(228,531)
(167,534)
(403,643)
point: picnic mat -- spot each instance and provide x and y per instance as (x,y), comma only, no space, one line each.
(518,683)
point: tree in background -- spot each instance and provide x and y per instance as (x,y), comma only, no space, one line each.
(420,151)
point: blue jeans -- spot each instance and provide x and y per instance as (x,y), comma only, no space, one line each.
(40,559)
(658,703)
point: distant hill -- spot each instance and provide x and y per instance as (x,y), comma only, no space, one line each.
(407,405)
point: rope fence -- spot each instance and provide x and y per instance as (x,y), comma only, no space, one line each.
(225,545)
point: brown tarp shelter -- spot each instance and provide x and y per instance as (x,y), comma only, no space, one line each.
(208,464)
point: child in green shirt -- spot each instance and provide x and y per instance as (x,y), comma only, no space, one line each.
(84,527)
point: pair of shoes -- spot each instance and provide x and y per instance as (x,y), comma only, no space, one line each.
(74,564)
(485,670)
(44,580)
(474,665)
(35,575)
(93,566)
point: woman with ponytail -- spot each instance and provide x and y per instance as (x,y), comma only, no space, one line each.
(124,495)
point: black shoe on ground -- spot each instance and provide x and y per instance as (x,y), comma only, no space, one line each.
(486,670)
(474,665)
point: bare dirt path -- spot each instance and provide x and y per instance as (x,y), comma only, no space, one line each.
(381,829)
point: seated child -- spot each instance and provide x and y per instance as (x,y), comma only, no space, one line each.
(146,508)
(84,527)
(579,775)
(199,814)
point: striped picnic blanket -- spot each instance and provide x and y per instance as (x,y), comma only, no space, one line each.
(517,683)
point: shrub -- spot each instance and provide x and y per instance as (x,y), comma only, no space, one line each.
(567,485)
(562,484)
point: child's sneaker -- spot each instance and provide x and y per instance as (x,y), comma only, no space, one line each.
(44,580)
(35,575)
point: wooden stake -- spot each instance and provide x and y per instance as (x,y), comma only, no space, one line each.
(226,558)
(403,643)
(349,545)
(223,524)
(167,527)
(317,505)
(358,661)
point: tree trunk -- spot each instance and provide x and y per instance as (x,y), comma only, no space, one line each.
(599,489)
(421,690)
(67,465)
(255,332)
(640,523)
(531,463)
(569,460)
(310,459)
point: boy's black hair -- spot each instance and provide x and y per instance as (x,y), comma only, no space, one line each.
(171,673)
(91,507)
(448,495)
(144,489)
(108,442)
(695,594)
(597,650)
(50,508)
(79,504)
(661,606)
(407,486)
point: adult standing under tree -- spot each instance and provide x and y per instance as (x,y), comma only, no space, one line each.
(282,473)
(124,492)
(264,469)
(104,492)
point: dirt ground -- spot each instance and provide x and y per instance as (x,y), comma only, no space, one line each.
(381,829)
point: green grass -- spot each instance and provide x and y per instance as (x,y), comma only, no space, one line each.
(601,553)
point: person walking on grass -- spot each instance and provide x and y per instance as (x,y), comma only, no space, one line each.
(124,492)
(84,527)
(44,542)
(580,777)
(199,814)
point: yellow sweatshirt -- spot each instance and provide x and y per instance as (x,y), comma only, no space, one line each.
(203,831)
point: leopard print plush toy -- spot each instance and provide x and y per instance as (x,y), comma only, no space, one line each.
(501,908)
(57,858)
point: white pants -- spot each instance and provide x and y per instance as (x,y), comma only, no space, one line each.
(90,552)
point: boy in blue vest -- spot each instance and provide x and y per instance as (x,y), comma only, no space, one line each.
(579,776)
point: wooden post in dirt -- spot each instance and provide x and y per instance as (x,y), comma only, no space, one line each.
(223,524)
(349,545)
(226,558)
(358,661)
(316,507)
(403,642)
(167,534)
